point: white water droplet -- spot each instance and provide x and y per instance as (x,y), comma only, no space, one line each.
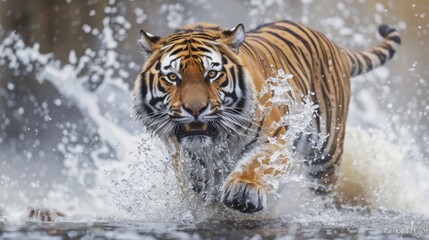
(57,102)
(10,86)
(72,57)
(86,28)
(21,110)
(379,7)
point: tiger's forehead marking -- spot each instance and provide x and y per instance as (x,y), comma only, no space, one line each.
(187,50)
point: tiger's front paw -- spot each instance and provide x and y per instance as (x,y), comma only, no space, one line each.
(42,214)
(244,196)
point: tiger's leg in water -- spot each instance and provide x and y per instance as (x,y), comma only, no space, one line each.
(246,187)
(41,214)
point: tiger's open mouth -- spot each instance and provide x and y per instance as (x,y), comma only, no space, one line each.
(195,131)
(195,128)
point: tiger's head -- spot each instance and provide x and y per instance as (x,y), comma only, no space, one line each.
(193,85)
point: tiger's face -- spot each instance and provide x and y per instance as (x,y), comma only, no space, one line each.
(193,86)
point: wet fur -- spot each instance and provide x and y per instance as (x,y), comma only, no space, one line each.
(234,167)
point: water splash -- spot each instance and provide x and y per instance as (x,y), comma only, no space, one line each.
(380,174)
(300,113)
(73,82)
(131,177)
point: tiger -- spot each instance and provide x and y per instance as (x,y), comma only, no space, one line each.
(199,91)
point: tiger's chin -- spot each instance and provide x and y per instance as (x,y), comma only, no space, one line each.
(196,142)
(196,135)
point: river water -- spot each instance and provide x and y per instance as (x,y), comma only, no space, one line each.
(388,226)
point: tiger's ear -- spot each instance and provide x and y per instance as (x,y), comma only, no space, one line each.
(235,37)
(148,41)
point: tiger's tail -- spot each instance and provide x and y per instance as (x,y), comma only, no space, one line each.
(365,61)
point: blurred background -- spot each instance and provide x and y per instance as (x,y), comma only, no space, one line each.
(40,127)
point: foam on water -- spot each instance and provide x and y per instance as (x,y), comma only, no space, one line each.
(378,173)
(138,182)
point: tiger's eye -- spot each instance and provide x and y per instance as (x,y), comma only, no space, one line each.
(172,76)
(212,74)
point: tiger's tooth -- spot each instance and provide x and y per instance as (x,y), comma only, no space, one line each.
(187,127)
(204,128)
(194,129)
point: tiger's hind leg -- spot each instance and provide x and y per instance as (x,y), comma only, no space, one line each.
(324,179)
(321,166)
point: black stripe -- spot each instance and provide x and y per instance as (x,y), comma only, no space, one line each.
(203,49)
(382,29)
(143,87)
(396,39)
(391,30)
(360,65)
(155,100)
(380,56)
(233,76)
(151,80)
(175,52)
(241,83)
(246,147)
(224,83)
(240,105)
(388,48)
(160,88)
(224,60)
(147,109)
(368,62)
(194,49)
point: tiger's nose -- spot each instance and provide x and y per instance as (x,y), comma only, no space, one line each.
(195,108)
